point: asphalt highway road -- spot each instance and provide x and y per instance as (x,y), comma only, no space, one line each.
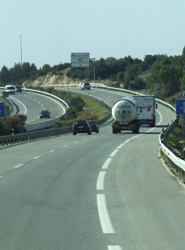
(99,191)
(32,104)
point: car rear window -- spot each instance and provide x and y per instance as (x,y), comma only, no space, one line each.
(81,123)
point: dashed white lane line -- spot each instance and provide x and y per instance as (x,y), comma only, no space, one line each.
(114,248)
(51,151)
(101,199)
(106,164)
(18,166)
(100,181)
(114,153)
(37,157)
(64,146)
(107,227)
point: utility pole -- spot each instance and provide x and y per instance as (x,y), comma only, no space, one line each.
(21,48)
(94,67)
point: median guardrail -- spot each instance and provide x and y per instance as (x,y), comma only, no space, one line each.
(30,136)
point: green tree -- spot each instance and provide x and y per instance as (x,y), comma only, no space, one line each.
(137,84)
(5,75)
(45,69)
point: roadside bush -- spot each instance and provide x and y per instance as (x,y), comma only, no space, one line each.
(2,127)
(10,125)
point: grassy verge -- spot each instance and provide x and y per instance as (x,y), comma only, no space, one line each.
(91,111)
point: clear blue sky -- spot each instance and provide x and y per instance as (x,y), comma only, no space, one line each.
(52,30)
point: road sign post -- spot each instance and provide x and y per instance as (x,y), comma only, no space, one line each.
(2,109)
(180,110)
(80,60)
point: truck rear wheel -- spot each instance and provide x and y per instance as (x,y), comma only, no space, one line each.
(136,131)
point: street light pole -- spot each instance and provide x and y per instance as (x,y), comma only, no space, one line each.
(94,68)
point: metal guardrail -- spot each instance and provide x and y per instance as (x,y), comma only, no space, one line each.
(30,136)
(174,162)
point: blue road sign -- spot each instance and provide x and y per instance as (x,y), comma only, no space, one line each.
(180,107)
(158,90)
(2,109)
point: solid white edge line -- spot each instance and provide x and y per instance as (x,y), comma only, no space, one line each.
(107,227)
(100,181)
(106,164)
(21,103)
(114,248)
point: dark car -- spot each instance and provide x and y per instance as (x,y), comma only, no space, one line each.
(18,88)
(44,114)
(85,85)
(94,126)
(81,126)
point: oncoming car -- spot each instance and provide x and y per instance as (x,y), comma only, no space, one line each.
(81,126)
(44,114)
(94,126)
(85,85)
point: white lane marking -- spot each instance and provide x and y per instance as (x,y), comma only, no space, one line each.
(21,103)
(51,151)
(100,181)
(75,142)
(54,101)
(106,164)
(114,248)
(107,227)
(64,146)
(161,118)
(18,166)
(0,176)
(101,202)
(37,157)
(114,153)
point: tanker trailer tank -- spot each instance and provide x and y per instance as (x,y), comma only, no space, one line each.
(125,114)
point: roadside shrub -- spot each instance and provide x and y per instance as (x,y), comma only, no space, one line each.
(10,125)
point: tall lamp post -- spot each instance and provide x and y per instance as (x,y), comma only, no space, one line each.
(94,68)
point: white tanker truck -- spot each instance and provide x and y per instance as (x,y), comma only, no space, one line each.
(130,113)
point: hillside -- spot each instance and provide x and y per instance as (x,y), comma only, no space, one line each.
(51,79)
